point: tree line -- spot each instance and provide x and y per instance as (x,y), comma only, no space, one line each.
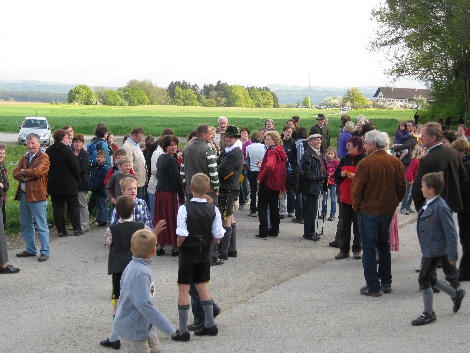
(177,93)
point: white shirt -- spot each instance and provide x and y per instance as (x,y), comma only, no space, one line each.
(428,201)
(182,228)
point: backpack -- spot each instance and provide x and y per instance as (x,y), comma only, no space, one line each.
(92,149)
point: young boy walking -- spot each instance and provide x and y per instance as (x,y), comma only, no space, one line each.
(98,173)
(113,188)
(137,318)
(118,241)
(438,242)
(141,211)
(199,224)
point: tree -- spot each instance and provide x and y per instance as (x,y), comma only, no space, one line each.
(185,97)
(306,102)
(238,96)
(334,102)
(421,102)
(133,96)
(81,94)
(428,41)
(111,97)
(355,99)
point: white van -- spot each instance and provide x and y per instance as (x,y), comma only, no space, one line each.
(37,125)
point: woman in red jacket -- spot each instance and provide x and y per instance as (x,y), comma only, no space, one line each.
(272,180)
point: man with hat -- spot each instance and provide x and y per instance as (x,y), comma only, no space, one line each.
(312,174)
(229,167)
(322,129)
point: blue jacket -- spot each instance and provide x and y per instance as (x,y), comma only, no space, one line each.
(436,230)
(98,174)
(137,318)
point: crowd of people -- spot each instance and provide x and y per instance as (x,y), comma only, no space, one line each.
(156,188)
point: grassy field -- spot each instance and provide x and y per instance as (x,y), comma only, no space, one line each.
(121,120)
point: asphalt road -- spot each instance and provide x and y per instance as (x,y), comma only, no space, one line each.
(284,294)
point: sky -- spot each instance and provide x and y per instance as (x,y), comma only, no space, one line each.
(250,43)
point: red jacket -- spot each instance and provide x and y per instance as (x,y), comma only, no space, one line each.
(273,168)
(412,170)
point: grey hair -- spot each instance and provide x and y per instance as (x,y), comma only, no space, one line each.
(222,118)
(33,135)
(380,138)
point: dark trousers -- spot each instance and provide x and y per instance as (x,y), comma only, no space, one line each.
(268,197)
(253,190)
(310,214)
(428,277)
(463,219)
(58,211)
(299,206)
(348,216)
(196,305)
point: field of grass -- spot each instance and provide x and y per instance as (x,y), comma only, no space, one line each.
(121,120)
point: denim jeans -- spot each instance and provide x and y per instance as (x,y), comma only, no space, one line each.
(374,232)
(151,204)
(332,191)
(36,211)
(310,213)
(101,208)
(406,202)
(196,305)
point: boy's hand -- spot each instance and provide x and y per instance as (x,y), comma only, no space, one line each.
(452,262)
(215,241)
(159,227)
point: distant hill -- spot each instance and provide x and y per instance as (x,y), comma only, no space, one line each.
(37,91)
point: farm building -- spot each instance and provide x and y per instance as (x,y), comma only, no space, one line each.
(401,95)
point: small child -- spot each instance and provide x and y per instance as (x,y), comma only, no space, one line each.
(118,241)
(401,135)
(410,175)
(137,318)
(141,211)
(118,154)
(438,241)
(199,225)
(113,189)
(98,173)
(332,163)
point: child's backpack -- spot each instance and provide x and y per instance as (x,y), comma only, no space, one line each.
(92,149)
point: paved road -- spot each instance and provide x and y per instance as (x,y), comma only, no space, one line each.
(280,295)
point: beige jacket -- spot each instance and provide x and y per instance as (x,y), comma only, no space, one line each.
(138,162)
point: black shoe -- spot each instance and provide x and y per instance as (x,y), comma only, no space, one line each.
(273,234)
(194,327)
(316,237)
(207,331)
(43,257)
(25,254)
(61,235)
(9,269)
(307,237)
(322,216)
(281,216)
(114,344)
(217,261)
(223,257)
(185,337)
(232,254)
(175,252)
(365,291)
(386,289)
(424,319)
(341,256)
(334,244)
(332,218)
(216,311)
(295,220)
(263,237)
(102,224)
(160,252)
(77,232)
(458,300)
(435,290)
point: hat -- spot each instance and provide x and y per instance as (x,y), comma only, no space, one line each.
(232,130)
(321,117)
(314,136)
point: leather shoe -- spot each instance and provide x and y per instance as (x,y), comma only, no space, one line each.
(25,254)
(160,252)
(194,327)
(9,269)
(207,331)
(232,254)
(334,244)
(185,337)
(259,236)
(111,344)
(216,262)
(367,292)
(307,237)
(341,255)
(424,319)
(43,257)
(175,252)
(458,300)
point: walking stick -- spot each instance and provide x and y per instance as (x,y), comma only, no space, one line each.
(320,198)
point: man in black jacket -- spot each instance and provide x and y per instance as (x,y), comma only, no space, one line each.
(312,173)
(324,131)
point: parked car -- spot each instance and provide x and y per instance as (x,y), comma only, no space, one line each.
(37,125)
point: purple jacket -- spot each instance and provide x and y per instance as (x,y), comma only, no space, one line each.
(342,138)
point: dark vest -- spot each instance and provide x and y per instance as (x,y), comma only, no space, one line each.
(199,224)
(120,251)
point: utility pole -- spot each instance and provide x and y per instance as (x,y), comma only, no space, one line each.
(309,102)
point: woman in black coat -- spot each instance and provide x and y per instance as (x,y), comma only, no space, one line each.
(62,182)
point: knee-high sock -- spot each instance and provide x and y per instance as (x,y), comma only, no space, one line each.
(427,300)
(446,288)
(225,242)
(183,311)
(209,313)
(233,239)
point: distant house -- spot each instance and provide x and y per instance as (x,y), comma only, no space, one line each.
(401,95)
